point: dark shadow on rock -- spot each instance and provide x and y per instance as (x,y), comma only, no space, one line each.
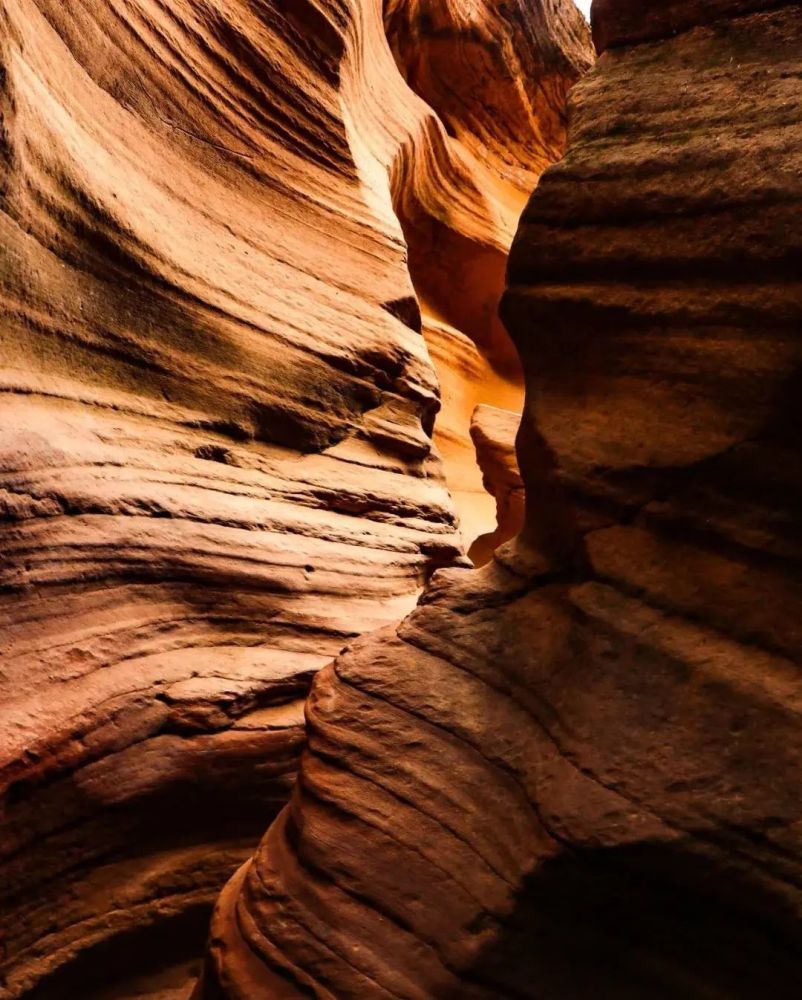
(645,923)
(166,956)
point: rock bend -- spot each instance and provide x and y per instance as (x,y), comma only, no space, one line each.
(576,772)
(216,406)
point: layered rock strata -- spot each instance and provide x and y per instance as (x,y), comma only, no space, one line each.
(577,772)
(216,410)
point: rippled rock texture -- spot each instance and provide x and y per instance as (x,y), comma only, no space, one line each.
(216,405)
(576,773)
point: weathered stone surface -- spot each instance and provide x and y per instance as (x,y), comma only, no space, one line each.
(577,771)
(626,22)
(216,406)
(654,291)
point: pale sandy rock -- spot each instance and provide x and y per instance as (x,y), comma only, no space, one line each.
(467,381)
(494,432)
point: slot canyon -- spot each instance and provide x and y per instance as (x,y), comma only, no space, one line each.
(400,500)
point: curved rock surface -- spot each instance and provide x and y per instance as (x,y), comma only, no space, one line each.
(216,407)
(498,76)
(577,771)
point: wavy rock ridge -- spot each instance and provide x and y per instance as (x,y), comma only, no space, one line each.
(577,772)
(216,406)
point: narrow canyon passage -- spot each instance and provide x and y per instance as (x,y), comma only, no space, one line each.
(504,125)
(274,276)
(459,286)
(577,771)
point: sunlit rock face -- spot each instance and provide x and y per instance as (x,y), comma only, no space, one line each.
(216,405)
(494,433)
(498,76)
(576,772)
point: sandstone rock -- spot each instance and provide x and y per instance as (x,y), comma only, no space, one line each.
(498,77)
(577,771)
(215,420)
(216,406)
(624,22)
(493,432)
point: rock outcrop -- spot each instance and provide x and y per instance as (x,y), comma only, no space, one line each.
(577,771)
(216,406)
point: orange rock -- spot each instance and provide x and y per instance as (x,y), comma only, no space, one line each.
(498,78)
(494,432)
(216,405)
(576,772)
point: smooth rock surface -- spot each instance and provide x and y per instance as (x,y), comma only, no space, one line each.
(498,77)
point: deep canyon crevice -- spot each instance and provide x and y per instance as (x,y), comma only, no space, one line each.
(576,771)
(498,83)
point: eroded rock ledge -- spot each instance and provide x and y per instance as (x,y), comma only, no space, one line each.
(576,773)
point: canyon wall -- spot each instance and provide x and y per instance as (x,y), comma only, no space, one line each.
(576,772)
(216,405)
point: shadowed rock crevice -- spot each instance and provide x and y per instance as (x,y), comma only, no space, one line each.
(167,964)
(645,921)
